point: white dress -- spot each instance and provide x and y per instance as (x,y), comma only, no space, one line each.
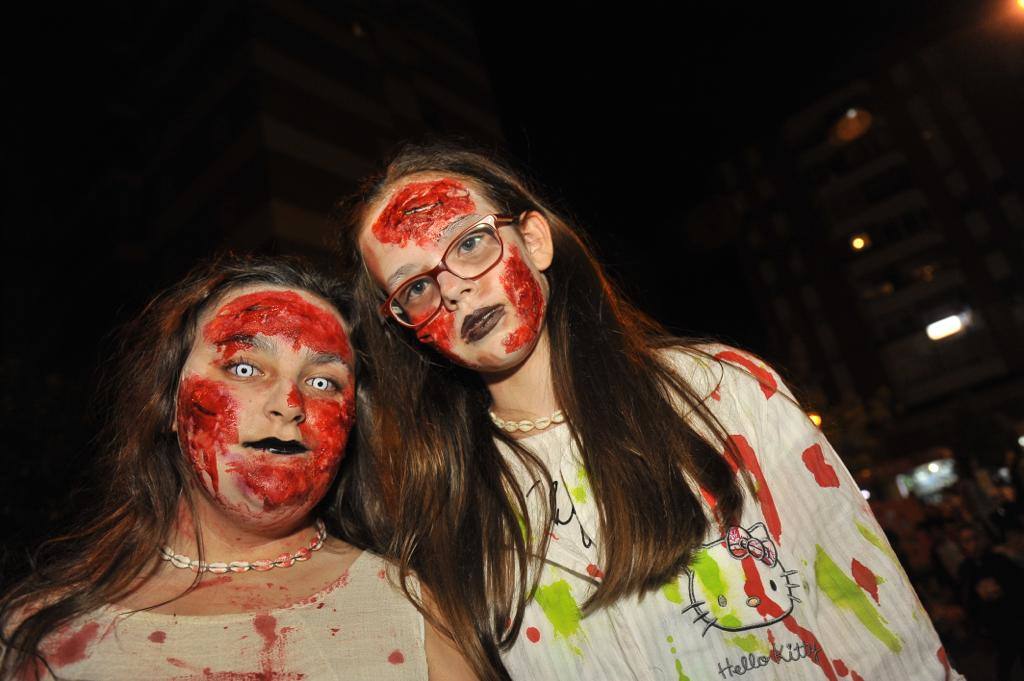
(806,587)
(360,627)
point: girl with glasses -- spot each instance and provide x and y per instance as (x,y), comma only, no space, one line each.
(586,496)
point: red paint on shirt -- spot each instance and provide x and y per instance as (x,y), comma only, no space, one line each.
(716,395)
(527,298)
(764,494)
(840,667)
(855,676)
(288,480)
(770,609)
(207,423)
(769,386)
(177,663)
(595,572)
(824,474)
(941,654)
(396,657)
(420,211)
(277,313)
(72,647)
(533,633)
(865,578)
(158,636)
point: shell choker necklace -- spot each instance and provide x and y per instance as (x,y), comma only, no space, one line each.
(284,560)
(526,425)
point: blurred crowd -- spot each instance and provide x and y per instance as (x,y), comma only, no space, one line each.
(963,549)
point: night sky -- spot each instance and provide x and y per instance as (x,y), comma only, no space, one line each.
(621,113)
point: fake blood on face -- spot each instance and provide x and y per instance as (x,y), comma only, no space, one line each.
(439,333)
(207,423)
(277,313)
(527,298)
(420,211)
(287,480)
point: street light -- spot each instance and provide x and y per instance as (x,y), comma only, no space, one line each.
(859,242)
(948,326)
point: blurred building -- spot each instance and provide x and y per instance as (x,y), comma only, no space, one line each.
(255,117)
(883,208)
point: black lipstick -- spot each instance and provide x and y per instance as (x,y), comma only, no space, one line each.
(276,446)
(478,324)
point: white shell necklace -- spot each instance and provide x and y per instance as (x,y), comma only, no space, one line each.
(526,425)
(284,560)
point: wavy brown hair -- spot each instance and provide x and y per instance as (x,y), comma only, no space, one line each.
(114,549)
(450,508)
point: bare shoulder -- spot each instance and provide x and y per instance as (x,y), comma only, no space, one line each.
(445,660)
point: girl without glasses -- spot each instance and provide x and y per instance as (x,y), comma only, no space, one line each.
(230,413)
(586,496)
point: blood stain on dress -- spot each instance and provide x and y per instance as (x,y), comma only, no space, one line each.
(941,654)
(420,211)
(72,648)
(840,667)
(396,657)
(769,386)
(533,633)
(595,572)
(748,457)
(855,676)
(158,636)
(527,298)
(865,578)
(814,459)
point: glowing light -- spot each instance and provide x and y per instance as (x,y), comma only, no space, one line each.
(865,493)
(815,418)
(933,467)
(859,242)
(945,327)
(851,125)
(1020,440)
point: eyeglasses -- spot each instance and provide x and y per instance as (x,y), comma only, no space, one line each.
(470,255)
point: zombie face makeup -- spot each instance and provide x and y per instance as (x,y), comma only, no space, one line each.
(491,323)
(266,402)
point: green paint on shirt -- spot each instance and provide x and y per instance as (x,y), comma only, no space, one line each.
(731,621)
(846,594)
(671,592)
(680,676)
(879,543)
(561,609)
(579,494)
(749,643)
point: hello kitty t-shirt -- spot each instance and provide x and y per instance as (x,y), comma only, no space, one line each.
(805,587)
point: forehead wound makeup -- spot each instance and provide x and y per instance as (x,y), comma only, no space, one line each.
(420,211)
(277,313)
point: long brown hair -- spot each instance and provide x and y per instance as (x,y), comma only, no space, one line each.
(146,476)
(450,507)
